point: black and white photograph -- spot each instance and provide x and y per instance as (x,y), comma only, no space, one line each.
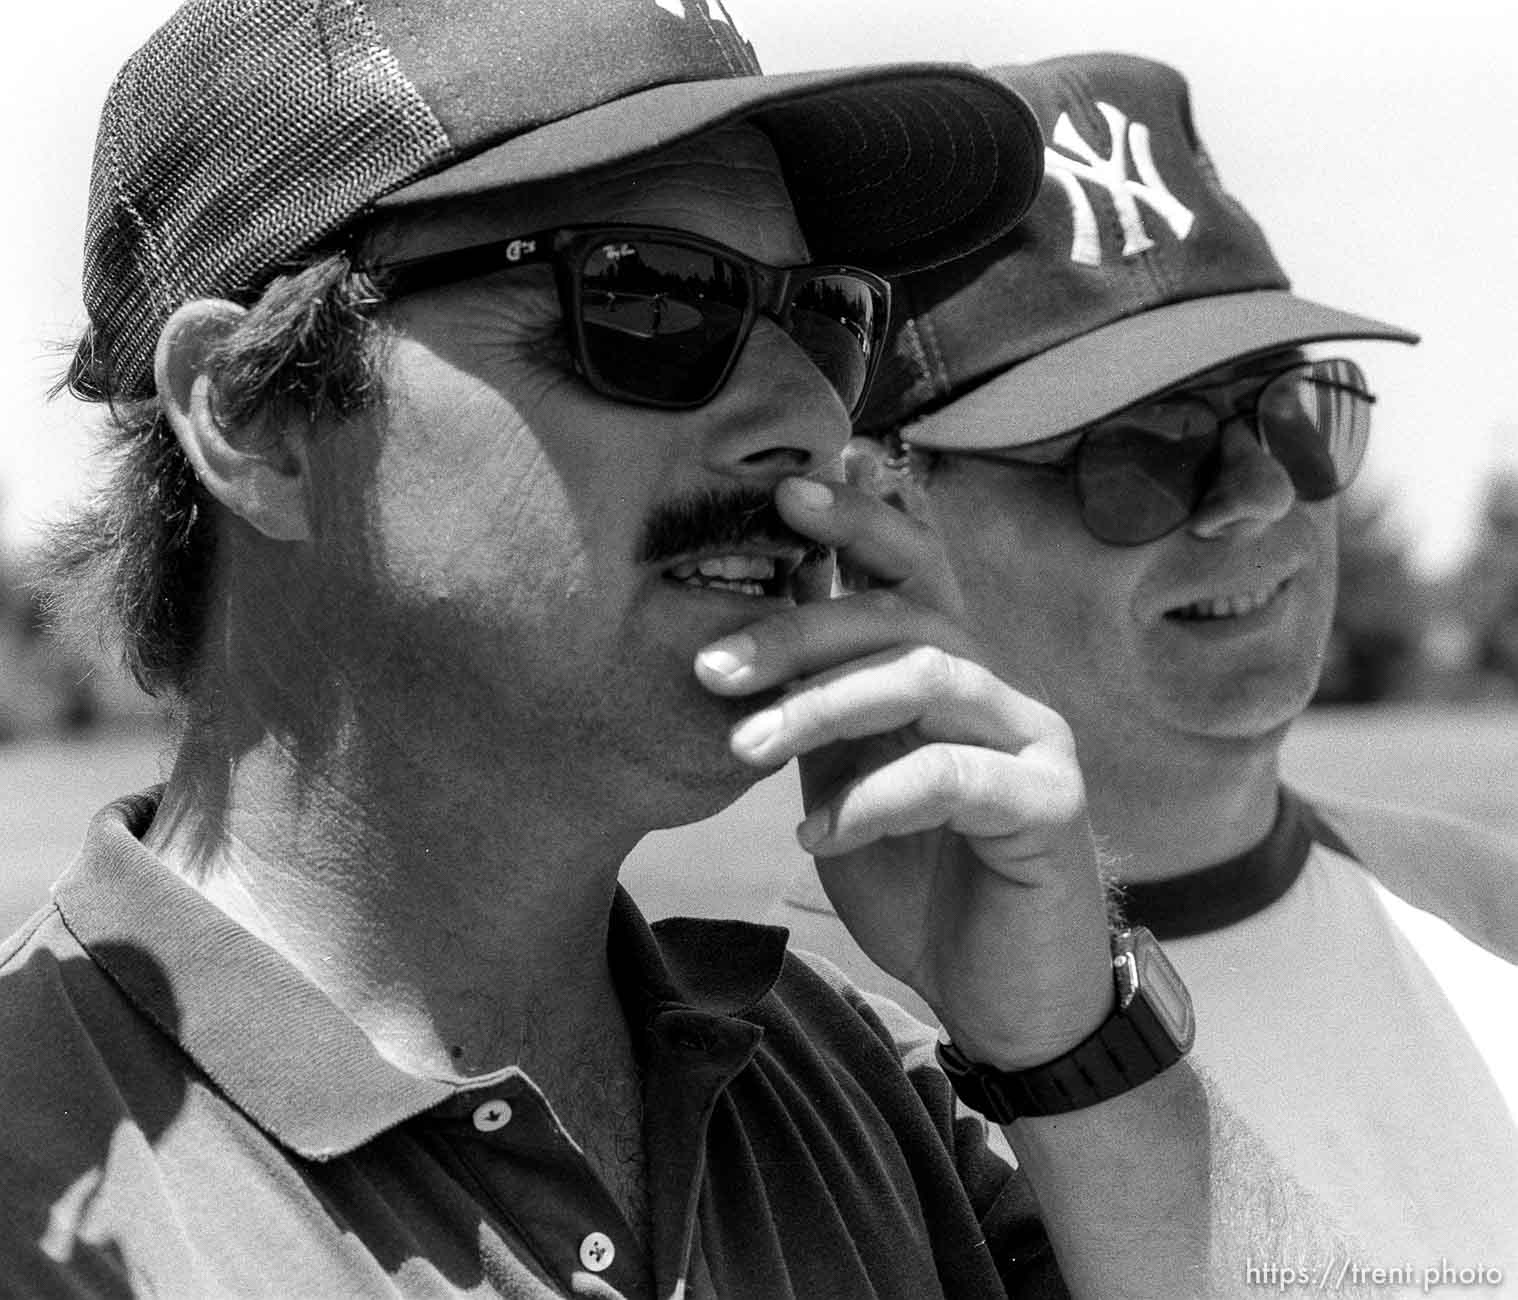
(746,650)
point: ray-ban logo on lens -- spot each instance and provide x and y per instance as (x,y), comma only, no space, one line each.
(1111,173)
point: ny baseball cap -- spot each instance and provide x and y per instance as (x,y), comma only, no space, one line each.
(245,132)
(1134,271)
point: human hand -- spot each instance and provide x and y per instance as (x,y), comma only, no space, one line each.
(945,809)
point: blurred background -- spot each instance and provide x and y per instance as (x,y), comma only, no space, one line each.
(1370,137)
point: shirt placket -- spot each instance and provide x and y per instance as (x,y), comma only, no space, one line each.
(531,1172)
(691,1058)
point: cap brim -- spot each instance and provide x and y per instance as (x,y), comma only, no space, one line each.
(1100,373)
(897,167)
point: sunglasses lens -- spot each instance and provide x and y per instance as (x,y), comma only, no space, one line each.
(1316,421)
(837,320)
(1138,482)
(1144,474)
(661,323)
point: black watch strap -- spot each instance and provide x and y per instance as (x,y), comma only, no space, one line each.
(1149,1030)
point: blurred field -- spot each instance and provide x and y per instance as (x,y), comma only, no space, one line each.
(1463,761)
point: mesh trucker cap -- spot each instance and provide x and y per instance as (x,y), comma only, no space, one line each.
(1133,272)
(246,131)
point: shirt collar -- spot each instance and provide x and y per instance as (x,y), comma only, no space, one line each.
(722,968)
(279,1048)
(1198,902)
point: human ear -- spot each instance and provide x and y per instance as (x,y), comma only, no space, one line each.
(869,464)
(260,474)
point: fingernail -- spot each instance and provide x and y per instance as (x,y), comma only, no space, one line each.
(752,733)
(730,659)
(810,494)
(814,830)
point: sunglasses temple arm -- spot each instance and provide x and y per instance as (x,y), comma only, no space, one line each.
(438,269)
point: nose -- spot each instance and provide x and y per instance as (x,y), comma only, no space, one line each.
(777,413)
(1252,489)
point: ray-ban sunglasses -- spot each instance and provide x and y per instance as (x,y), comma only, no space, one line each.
(659,317)
(1142,473)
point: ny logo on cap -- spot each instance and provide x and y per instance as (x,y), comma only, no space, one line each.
(1111,173)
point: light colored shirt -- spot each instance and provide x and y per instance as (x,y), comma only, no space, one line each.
(1354,984)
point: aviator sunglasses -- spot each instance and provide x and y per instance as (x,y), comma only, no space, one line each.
(1144,472)
(658,317)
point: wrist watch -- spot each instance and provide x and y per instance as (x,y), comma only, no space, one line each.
(1149,1030)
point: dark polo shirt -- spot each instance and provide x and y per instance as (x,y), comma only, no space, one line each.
(185,1115)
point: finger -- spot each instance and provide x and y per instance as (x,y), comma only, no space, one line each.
(876,543)
(1016,806)
(940,696)
(808,639)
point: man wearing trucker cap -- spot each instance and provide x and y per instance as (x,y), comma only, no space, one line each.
(479,375)
(1111,419)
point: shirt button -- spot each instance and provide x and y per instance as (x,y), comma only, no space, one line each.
(597,1252)
(491,1115)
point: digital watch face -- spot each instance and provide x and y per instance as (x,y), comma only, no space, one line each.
(1166,994)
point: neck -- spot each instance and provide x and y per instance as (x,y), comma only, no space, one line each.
(1197,808)
(404,885)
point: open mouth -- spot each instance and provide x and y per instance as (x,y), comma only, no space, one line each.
(768,576)
(1234,605)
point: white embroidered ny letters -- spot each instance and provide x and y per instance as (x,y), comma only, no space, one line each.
(1111,173)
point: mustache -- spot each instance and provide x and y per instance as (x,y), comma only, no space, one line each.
(713,520)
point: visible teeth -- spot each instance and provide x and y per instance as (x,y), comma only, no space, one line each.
(747,575)
(1229,606)
(735,567)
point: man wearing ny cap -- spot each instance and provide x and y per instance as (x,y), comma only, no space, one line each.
(478,397)
(1110,419)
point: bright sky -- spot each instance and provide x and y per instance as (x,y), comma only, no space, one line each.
(1372,138)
